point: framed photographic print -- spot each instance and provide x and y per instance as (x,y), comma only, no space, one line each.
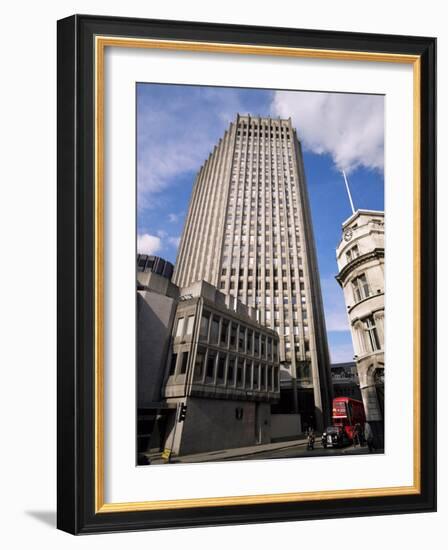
(246,274)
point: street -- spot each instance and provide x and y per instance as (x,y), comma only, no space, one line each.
(283,449)
(300,450)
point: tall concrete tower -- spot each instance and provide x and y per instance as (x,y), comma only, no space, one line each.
(248,232)
(360,257)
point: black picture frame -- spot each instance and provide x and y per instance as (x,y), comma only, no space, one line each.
(76,475)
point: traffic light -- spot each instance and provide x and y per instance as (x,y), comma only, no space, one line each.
(182,412)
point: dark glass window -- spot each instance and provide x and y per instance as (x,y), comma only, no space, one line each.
(231,371)
(248,375)
(203,331)
(173,363)
(214,331)
(241,339)
(239,373)
(256,376)
(199,364)
(183,362)
(233,335)
(270,380)
(257,343)
(221,366)
(263,377)
(250,336)
(211,359)
(224,332)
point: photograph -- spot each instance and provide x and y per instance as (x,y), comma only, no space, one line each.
(222,335)
(200,348)
(260,274)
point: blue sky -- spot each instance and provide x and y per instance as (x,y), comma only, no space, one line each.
(177,126)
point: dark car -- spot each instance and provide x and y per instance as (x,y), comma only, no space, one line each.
(334,436)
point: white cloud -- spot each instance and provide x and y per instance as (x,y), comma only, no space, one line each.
(349,127)
(148,244)
(163,153)
(174,218)
(175,241)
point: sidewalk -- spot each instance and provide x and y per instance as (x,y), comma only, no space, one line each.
(228,454)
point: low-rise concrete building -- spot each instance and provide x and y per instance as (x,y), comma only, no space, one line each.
(156,307)
(205,350)
(223,370)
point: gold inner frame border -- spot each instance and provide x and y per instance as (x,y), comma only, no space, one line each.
(101,42)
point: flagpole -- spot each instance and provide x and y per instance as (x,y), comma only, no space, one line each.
(348,191)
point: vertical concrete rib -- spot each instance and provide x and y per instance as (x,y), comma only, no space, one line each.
(180,275)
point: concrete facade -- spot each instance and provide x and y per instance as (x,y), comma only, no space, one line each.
(156,308)
(213,425)
(285,426)
(223,366)
(248,232)
(360,257)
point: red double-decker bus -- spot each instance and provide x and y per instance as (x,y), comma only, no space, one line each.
(346,413)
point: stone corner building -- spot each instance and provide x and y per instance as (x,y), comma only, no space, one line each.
(248,232)
(360,257)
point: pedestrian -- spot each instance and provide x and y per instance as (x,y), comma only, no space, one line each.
(368,434)
(310,445)
(362,437)
(355,435)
